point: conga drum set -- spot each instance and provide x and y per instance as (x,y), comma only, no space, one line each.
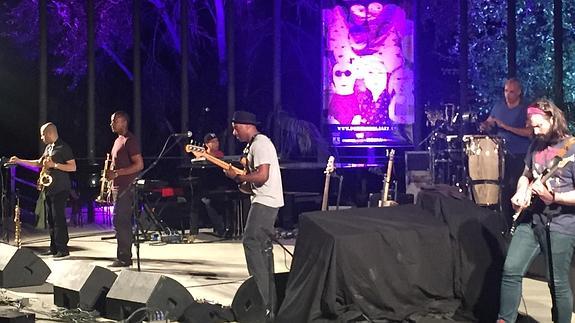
(461,157)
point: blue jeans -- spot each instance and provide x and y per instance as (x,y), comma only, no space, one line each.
(527,243)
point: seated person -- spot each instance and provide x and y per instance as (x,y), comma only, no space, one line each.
(212,144)
(213,210)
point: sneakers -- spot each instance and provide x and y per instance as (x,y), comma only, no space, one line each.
(118,263)
(61,255)
(47,253)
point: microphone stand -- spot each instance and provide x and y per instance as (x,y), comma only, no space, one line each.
(136,207)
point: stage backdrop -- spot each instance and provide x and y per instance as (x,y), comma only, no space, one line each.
(368,72)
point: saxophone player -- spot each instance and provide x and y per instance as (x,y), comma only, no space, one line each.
(56,162)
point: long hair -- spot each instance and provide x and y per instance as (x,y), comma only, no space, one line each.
(559,129)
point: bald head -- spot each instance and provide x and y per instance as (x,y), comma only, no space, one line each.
(49,133)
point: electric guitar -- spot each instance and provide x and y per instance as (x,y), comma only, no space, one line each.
(200,152)
(547,173)
(384,202)
(330,168)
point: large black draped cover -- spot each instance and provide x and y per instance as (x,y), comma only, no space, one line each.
(395,263)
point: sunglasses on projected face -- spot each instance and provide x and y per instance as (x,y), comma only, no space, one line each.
(339,73)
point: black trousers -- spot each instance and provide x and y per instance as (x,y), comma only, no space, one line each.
(56,216)
(123,209)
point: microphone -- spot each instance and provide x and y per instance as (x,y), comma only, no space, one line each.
(187,134)
(5,161)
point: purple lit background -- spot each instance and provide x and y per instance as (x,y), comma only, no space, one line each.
(368,73)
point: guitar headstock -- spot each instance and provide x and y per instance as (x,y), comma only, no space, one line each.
(197,151)
(391,154)
(330,167)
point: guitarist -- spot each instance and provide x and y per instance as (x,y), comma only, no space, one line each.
(265,180)
(555,199)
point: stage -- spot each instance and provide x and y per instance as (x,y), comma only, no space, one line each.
(211,269)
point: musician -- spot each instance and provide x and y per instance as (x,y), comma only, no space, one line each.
(212,144)
(214,211)
(508,120)
(127,162)
(59,160)
(555,199)
(264,178)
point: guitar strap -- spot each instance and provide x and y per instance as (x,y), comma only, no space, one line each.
(246,150)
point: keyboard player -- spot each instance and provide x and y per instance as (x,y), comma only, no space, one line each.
(202,193)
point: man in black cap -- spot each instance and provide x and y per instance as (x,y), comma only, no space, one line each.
(264,178)
(212,144)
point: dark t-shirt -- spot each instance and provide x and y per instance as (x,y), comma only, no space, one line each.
(562,181)
(517,118)
(61,153)
(124,148)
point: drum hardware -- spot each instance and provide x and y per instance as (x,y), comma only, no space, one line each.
(485,161)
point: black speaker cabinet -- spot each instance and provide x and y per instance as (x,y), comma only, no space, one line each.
(21,267)
(248,306)
(83,287)
(133,290)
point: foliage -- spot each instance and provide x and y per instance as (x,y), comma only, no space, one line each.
(535,47)
(487,52)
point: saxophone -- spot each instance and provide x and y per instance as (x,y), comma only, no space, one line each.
(45,179)
(17,224)
(105,195)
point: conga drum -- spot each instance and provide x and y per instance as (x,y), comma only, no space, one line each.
(484,166)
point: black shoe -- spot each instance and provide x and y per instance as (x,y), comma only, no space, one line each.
(47,253)
(61,255)
(119,263)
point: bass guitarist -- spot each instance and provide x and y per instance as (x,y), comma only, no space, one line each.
(553,206)
(265,180)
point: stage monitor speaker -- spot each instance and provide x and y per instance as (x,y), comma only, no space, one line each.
(208,313)
(248,306)
(83,287)
(134,290)
(21,267)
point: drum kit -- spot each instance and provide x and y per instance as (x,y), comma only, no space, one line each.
(463,157)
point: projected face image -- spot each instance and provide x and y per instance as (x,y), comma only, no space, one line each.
(343,78)
(361,14)
(374,75)
(401,108)
(367,53)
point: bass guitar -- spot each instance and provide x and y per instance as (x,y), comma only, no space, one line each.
(384,202)
(200,152)
(543,177)
(330,168)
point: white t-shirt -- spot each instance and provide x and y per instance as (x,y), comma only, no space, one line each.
(262,151)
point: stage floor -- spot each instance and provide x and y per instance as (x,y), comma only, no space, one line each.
(210,268)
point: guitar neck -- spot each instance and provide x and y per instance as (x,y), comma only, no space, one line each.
(385,190)
(222,164)
(325,193)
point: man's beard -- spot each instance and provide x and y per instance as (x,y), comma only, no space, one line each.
(545,140)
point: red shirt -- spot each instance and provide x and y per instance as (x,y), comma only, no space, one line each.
(124,147)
